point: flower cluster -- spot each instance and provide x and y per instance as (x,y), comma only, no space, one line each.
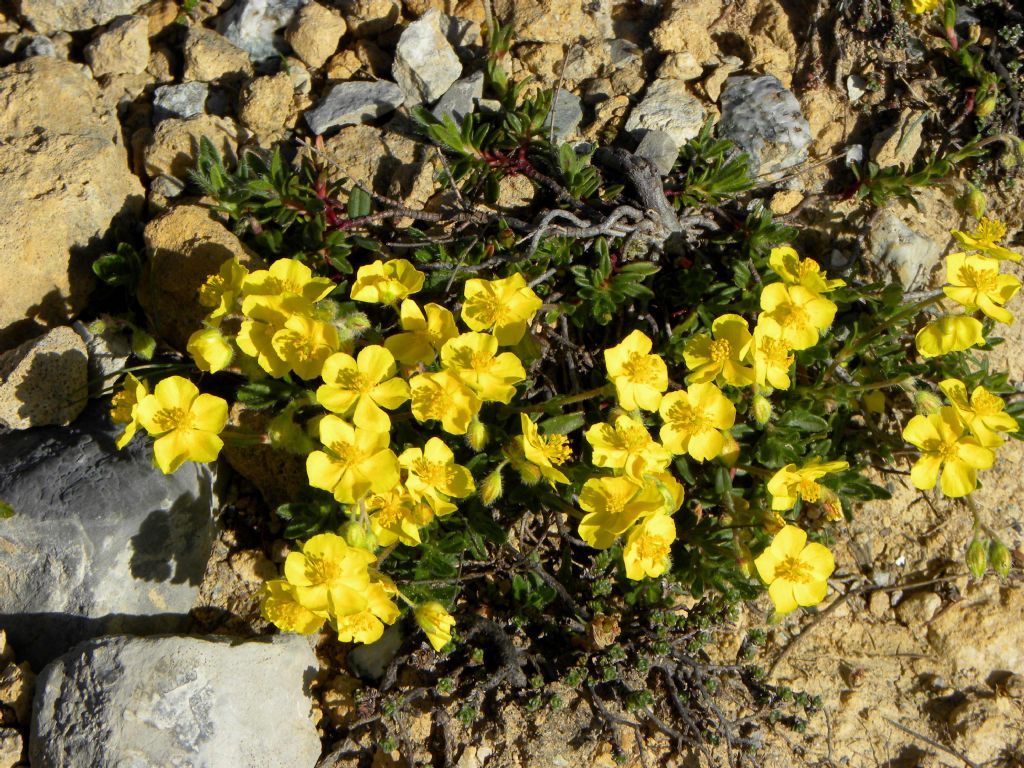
(974,281)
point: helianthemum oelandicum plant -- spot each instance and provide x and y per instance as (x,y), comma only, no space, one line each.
(946,447)
(796,572)
(184,423)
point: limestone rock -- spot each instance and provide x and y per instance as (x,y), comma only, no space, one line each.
(547,21)
(209,56)
(266,104)
(174,144)
(279,476)
(460,100)
(909,255)
(686,28)
(977,636)
(917,609)
(314,33)
(899,145)
(668,106)
(16,683)
(425,62)
(681,66)
(11,748)
(100,541)
(183,100)
(57,142)
(122,50)
(185,247)
(254,25)
(387,161)
(352,103)
(566,115)
(368,18)
(660,148)
(177,701)
(765,120)
(108,352)
(49,16)
(44,381)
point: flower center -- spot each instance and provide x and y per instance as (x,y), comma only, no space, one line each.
(721,350)
(653,548)
(986,404)
(989,231)
(983,280)
(169,419)
(347,453)
(355,381)
(556,449)
(322,570)
(487,309)
(809,490)
(774,351)
(793,315)
(686,419)
(634,438)
(641,369)
(949,450)
(794,570)
(481,361)
(433,473)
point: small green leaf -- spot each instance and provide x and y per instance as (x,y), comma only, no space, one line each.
(6,510)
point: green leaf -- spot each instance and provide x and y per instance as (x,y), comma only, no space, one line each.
(805,421)
(6,510)
(563,425)
(359,203)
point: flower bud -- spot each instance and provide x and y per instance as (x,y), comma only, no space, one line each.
(762,410)
(977,558)
(999,556)
(143,345)
(976,202)
(477,434)
(831,505)
(874,402)
(436,622)
(491,488)
(730,450)
(284,433)
(927,402)
(985,106)
(356,535)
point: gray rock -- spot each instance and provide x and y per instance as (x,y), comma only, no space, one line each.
(566,115)
(49,16)
(460,100)
(370,662)
(425,63)
(764,119)
(660,149)
(156,702)
(10,747)
(44,381)
(899,144)
(100,541)
(354,102)
(256,26)
(668,106)
(108,354)
(168,187)
(909,255)
(40,45)
(183,100)
(462,33)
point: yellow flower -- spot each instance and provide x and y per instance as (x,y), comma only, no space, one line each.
(396,516)
(790,483)
(210,350)
(287,277)
(184,423)
(545,452)
(940,436)
(613,505)
(125,408)
(436,622)
(221,291)
(794,314)
(639,377)
(281,607)
(424,336)
(975,282)
(265,315)
(922,6)
(720,360)
(305,344)
(983,413)
(951,333)
(472,358)
(648,547)
(796,572)
(793,270)
(385,282)
(434,476)
(505,306)
(985,238)
(695,421)
(773,359)
(367,624)
(328,563)
(363,386)
(443,397)
(627,446)
(355,462)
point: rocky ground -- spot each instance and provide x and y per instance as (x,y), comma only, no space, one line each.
(102,103)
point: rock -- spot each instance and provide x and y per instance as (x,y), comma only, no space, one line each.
(6,651)
(784,201)
(566,115)
(253,25)
(917,609)
(544,21)
(108,353)
(545,60)
(772,44)
(266,104)
(209,56)
(44,381)
(387,162)
(370,662)
(909,255)
(22,46)
(681,66)
(302,81)
(57,142)
(714,82)
(686,28)
(764,120)
(984,727)
(660,148)
(167,187)
(460,100)
(49,16)
(122,49)
(185,247)
(177,701)
(462,33)
(100,541)
(11,748)
(352,103)
(977,634)
(878,603)
(899,145)
(368,18)
(16,683)
(425,63)
(174,144)
(667,106)
(314,33)
(183,100)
